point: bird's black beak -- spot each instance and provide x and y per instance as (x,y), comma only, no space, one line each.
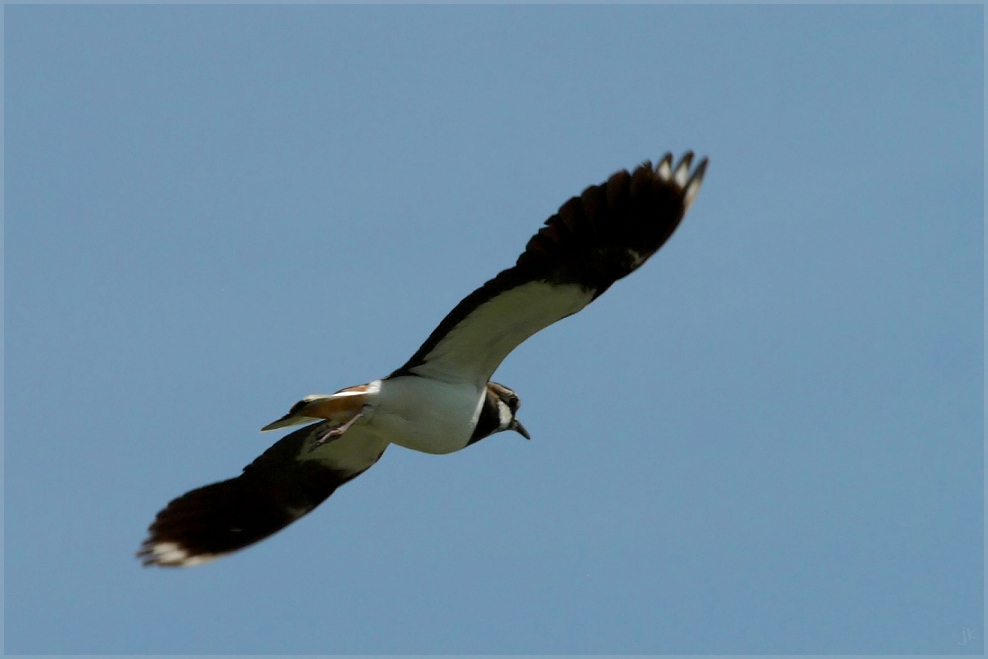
(518,428)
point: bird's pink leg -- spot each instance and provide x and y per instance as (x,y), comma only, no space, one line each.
(330,434)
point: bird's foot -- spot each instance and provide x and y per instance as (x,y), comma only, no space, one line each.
(335,432)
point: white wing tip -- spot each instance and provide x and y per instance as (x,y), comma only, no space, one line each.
(171,554)
(680,175)
(682,170)
(694,182)
(664,169)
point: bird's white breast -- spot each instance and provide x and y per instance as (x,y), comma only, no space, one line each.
(426,415)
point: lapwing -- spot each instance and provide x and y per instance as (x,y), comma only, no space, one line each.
(441,400)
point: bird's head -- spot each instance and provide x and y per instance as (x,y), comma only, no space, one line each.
(507,404)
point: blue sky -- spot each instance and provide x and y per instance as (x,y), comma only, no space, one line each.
(768,440)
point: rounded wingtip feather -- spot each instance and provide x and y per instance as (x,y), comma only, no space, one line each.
(170,554)
(681,176)
(692,185)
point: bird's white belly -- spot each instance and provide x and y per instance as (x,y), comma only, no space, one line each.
(426,415)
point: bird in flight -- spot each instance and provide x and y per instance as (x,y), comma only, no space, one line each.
(441,400)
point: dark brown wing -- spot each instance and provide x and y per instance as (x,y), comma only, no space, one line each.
(594,240)
(284,483)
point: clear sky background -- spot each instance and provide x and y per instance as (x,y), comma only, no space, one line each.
(767,440)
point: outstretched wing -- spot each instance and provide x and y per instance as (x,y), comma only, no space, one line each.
(594,240)
(284,483)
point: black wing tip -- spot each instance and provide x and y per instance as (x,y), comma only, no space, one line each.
(189,531)
(700,169)
(224,517)
(215,520)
